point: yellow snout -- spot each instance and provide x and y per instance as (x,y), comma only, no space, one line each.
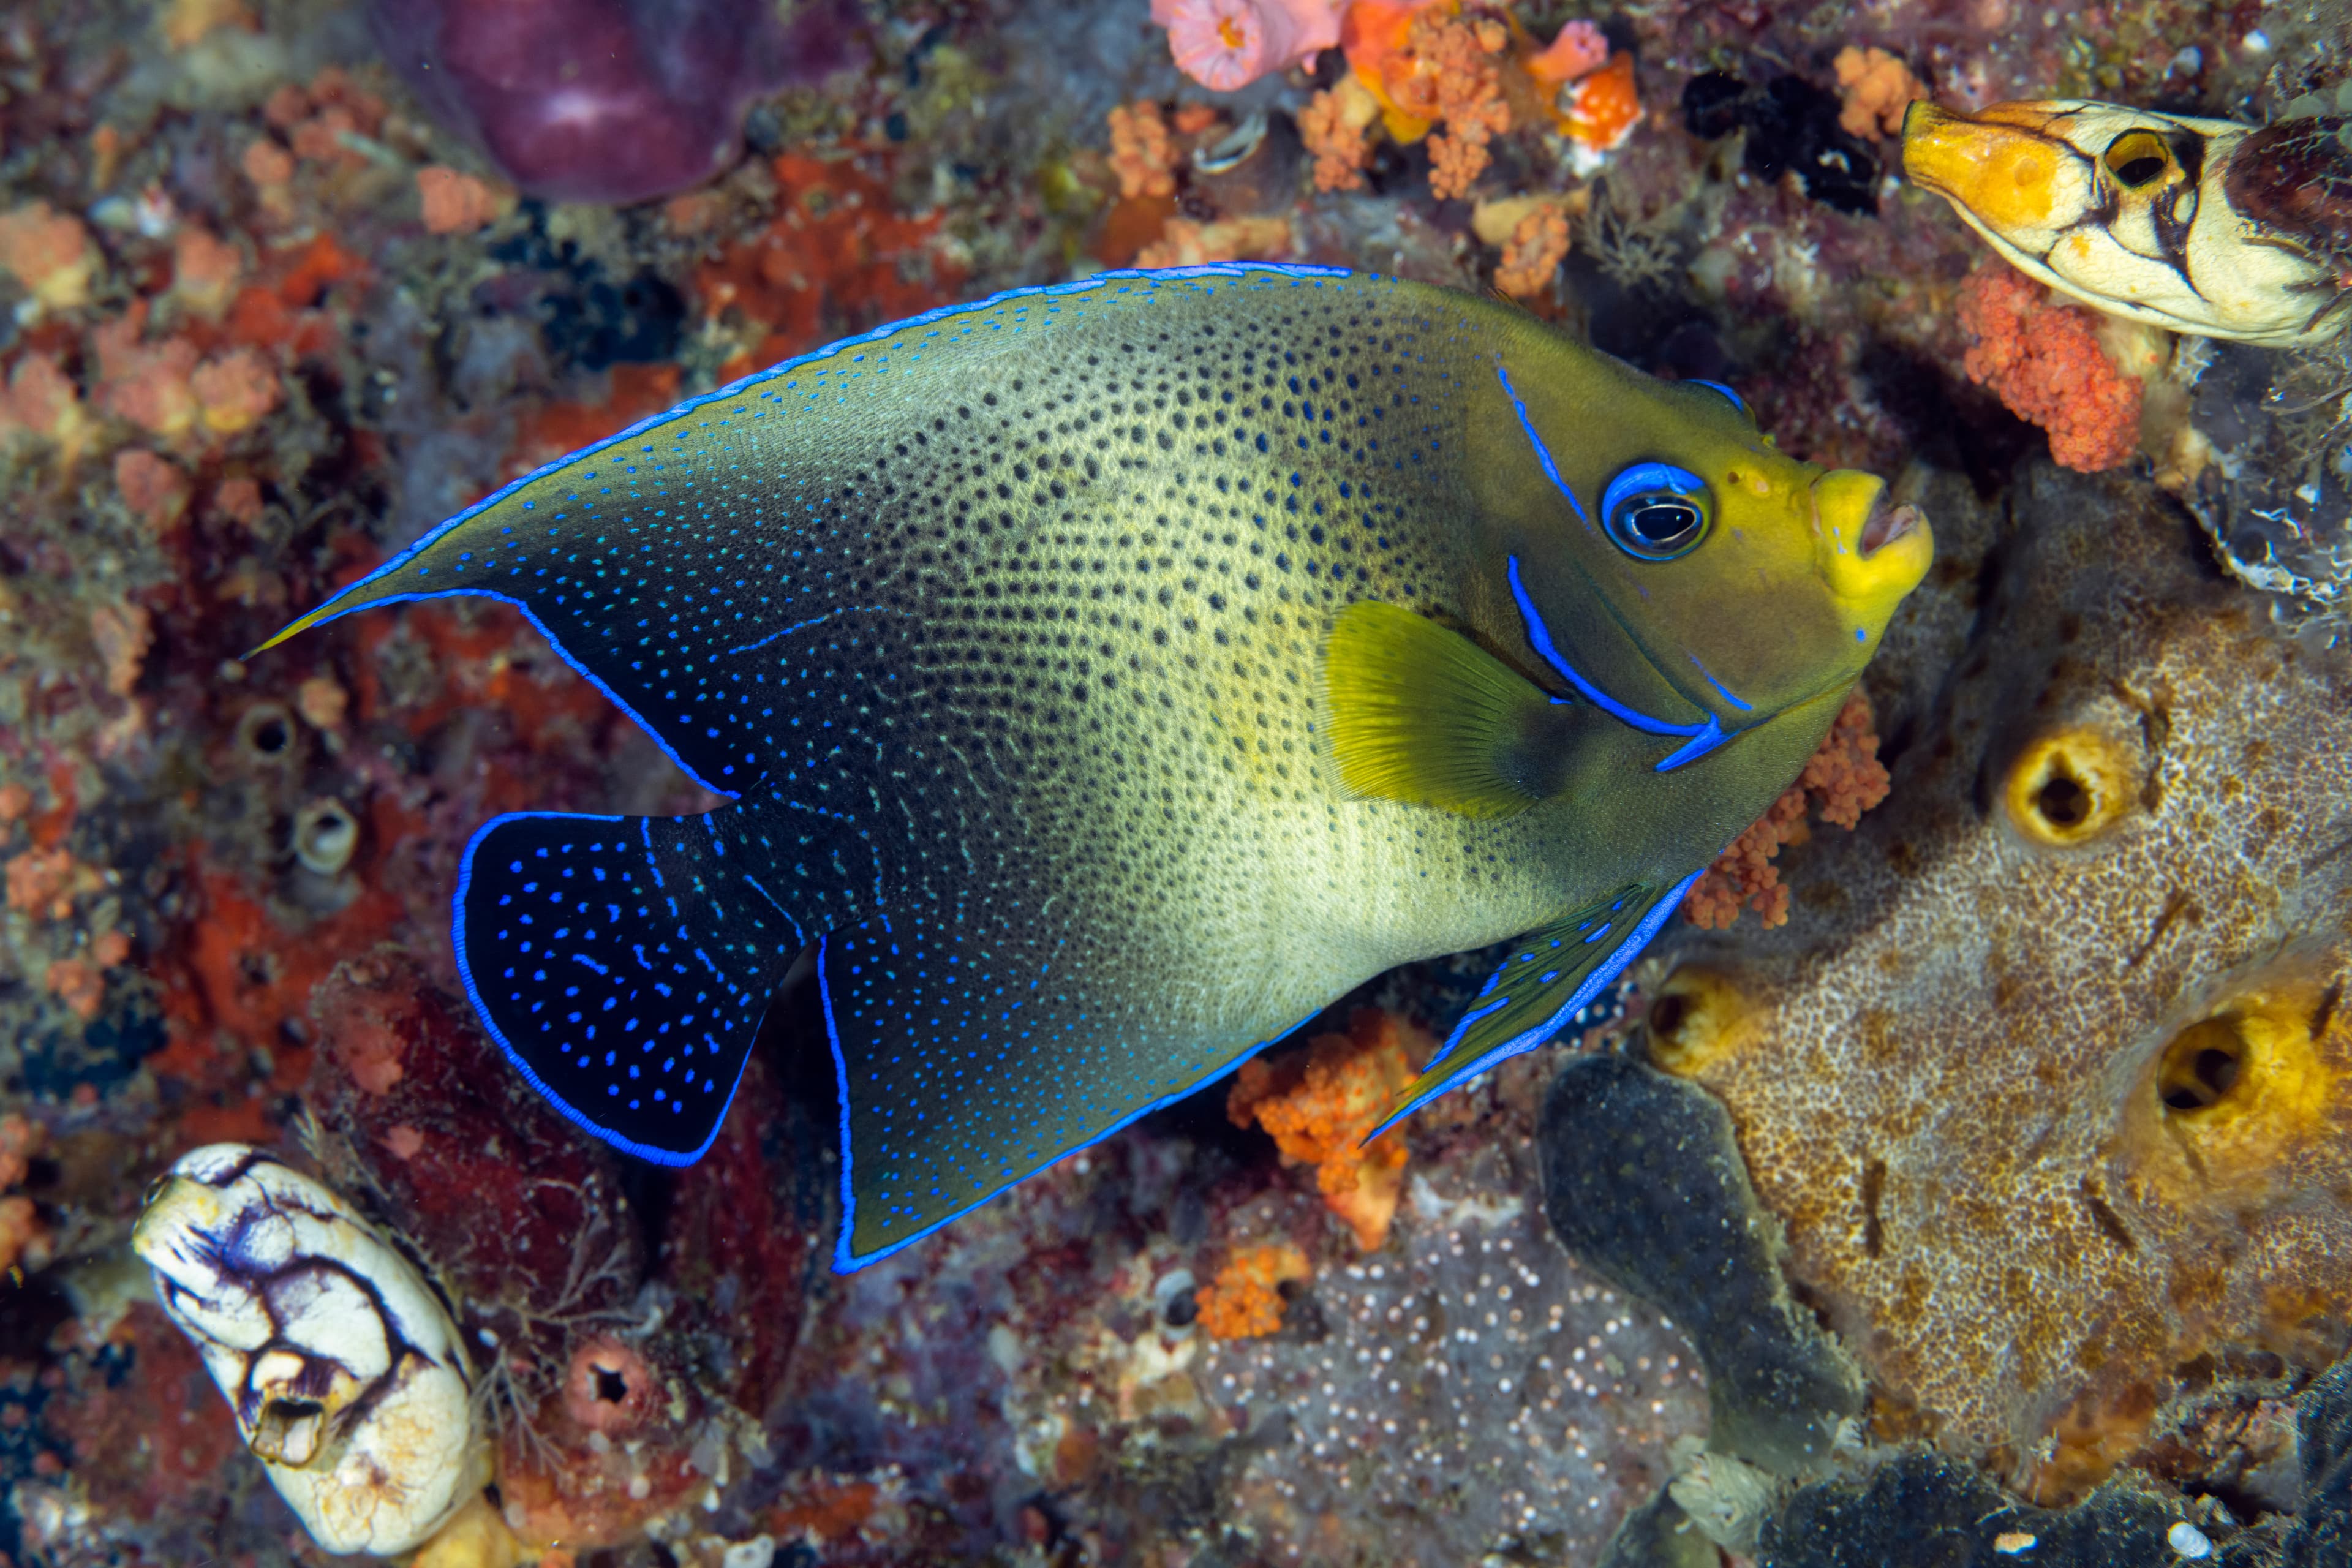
(1870,554)
(1998,165)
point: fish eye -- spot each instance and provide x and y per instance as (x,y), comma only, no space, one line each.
(1732,397)
(1655,512)
(2137,159)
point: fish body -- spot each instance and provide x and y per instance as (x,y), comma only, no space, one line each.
(2206,227)
(1109,677)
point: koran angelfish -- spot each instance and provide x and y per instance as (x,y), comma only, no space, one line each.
(1111,676)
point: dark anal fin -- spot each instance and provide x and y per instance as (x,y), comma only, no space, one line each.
(623,966)
(1550,975)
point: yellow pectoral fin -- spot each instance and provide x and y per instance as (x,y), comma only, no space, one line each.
(1419,713)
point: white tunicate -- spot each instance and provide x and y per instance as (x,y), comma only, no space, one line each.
(757,1552)
(344,1373)
(2188,1541)
(325,834)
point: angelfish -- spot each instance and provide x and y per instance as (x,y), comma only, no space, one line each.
(2206,227)
(1109,677)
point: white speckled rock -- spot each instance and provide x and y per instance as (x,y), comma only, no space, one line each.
(347,1378)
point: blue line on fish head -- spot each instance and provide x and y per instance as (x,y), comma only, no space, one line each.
(1647,542)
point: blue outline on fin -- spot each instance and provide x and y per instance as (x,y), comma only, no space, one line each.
(1237,269)
(473,995)
(1605,972)
(844,1260)
(1736,401)
(1703,737)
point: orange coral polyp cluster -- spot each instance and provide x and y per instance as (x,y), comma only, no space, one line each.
(1141,153)
(1319,1106)
(1538,243)
(1244,1301)
(1876,87)
(2043,359)
(1424,66)
(1842,779)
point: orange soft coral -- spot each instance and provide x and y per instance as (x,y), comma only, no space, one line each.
(49,252)
(1534,252)
(206,271)
(25,1240)
(1877,88)
(1457,82)
(1319,1105)
(2045,361)
(1843,779)
(1333,126)
(41,401)
(20,1141)
(1141,153)
(454,202)
(153,490)
(1243,1303)
(1184,243)
(233,390)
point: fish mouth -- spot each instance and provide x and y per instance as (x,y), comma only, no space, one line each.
(1886,525)
(1869,549)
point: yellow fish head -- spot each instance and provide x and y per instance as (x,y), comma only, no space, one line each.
(1700,581)
(2156,217)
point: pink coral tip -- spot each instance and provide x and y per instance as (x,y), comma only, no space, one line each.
(1579,48)
(1225,45)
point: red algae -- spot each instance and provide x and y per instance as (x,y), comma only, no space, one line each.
(836,259)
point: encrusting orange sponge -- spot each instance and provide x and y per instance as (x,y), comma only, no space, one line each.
(1319,1105)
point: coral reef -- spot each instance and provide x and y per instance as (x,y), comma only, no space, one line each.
(2062,1023)
(267,310)
(1244,1301)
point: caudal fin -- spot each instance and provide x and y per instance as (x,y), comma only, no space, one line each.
(623,966)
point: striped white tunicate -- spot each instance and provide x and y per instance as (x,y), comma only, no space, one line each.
(347,1379)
